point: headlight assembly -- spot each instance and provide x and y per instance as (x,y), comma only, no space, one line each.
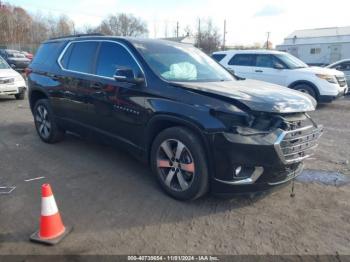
(247,125)
(329,78)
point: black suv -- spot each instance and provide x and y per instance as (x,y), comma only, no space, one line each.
(174,107)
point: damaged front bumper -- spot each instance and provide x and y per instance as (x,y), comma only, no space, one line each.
(245,164)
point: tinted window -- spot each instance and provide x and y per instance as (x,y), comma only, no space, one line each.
(82,57)
(47,53)
(264,61)
(218,57)
(112,56)
(243,60)
(343,66)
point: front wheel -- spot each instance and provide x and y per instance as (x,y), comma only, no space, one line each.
(45,122)
(179,163)
(306,89)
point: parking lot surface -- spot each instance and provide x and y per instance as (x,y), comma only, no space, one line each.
(116,207)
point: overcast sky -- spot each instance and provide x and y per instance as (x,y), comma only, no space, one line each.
(248,21)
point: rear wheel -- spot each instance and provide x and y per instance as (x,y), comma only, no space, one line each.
(178,160)
(45,122)
(306,89)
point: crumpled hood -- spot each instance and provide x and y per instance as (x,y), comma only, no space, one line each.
(320,70)
(257,95)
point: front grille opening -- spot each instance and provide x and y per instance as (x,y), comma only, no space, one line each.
(300,138)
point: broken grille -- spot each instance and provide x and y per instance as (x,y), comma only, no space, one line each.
(297,141)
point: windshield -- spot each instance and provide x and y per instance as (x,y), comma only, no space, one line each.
(3,64)
(291,61)
(175,62)
(16,55)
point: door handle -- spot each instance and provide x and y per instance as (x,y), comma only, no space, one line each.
(259,71)
(96,86)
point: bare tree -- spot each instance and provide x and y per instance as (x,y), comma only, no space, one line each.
(123,25)
(20,30)
(64,26)
(188,31)
(208,37)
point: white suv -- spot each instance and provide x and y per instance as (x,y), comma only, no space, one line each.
(283,69)
(11,82)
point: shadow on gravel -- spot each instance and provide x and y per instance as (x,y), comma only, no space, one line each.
(97,187)
(4,99)
(323,177)
(335,104)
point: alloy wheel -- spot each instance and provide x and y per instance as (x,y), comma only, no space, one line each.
(175,165)
(43,123)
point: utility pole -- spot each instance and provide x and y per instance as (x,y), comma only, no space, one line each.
(268,39)
(224,40)
(177,29)
(199,33)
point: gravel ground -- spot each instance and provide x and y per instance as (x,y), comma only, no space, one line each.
(116,207)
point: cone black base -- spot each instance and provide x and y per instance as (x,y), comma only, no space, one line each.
(53,241)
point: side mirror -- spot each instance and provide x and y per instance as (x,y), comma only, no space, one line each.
(125,74)
(278,66)
(13,66)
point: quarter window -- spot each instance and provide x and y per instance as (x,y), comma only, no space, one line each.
(112,56)
(79,57)
(243,60)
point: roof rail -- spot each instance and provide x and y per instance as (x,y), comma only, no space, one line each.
(77,35)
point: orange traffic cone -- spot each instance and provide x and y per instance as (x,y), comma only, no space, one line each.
(51,229)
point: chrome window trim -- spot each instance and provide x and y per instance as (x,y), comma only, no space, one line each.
(98,41)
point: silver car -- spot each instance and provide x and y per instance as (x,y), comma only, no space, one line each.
(344,66)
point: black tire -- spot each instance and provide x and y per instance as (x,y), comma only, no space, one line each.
(307,89)
(193,154)
(20,96)
(55,133)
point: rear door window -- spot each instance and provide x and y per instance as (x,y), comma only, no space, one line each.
(80,57)
(243,60)
(112,56)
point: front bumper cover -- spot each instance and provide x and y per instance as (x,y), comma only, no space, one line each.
(279,160)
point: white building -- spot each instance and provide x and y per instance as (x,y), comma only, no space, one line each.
(318,46)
